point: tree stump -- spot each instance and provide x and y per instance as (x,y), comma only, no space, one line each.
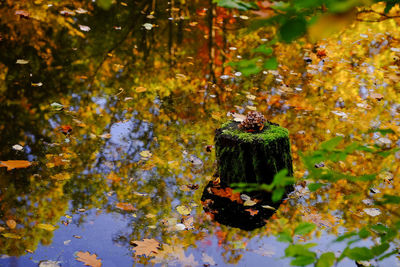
(248,157)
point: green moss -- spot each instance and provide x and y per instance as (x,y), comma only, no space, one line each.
(270,134)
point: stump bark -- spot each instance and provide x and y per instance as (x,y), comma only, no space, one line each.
(245,157)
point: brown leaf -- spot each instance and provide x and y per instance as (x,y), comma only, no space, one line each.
(228,193)
(376,96)
(88,259)
(146,247)
(125,206)
(11,224)
(15,164)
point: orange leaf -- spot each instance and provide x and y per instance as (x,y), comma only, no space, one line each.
(228,193)
(252,212)
(125,206)
(15,164)
(146,247)
(65,129)
(88,259)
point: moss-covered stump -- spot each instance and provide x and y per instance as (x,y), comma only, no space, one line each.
(248,157)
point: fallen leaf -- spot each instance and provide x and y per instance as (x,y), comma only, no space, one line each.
(22,61)
(372,212)
(238,117)
(125,206)
(252,212)
(17,147)
(56,106)
(37,84)
(228,193)
(48,263)
(11,224)
(140,89)
(88,259)
(183,210)
(376,96)
(46,226)
(84,28)
(2,228)
(11,235)
(15,164)
(106,136)
(146,247)
(145,154)
(268,207)
(61,176)
(77,236)
(249,203)
(188,222)
(66,129)
(113,177)
(207,259)
(22,13)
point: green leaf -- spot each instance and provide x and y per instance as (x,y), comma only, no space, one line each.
(380,228)
(293,29)
(304,228)
(332,143)
(271,64)
(345,236)
(277,194)
(263,49)
(364,233)
(303,260)
(359,253)
(390,199)
(240,5)
(326,260)
(285,237)
(104,4)
(295,250)
(315,186)
(388,254)
(56,106)
(383,131)
(379,249)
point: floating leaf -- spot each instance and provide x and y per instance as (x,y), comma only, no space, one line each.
(56,106)
(11,224)
(17,147)
(84,28)
(61,176)
(88,259)
(11,235)
(48,263)
(46,226)
(125,206)
(146,247)
(105,136)
(145,154)
(183,210)
(326,260)
(148,26)
(140,89)
(372,212)
(22,61)
(15,164)
(252,211)
(249,203)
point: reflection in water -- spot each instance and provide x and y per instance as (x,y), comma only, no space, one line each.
(143,107)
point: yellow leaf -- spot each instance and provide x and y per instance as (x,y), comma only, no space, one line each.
(140,89)
(11,235)
(145,154)
(61,176)
(46,226)
(183,210)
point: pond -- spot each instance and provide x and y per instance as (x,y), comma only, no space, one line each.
(108,116)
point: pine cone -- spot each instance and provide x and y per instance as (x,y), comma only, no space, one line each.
(254,122)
